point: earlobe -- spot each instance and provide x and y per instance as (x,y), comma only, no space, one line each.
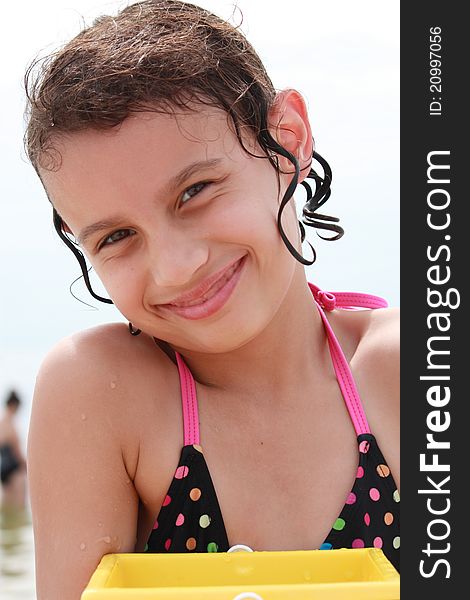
(289,124)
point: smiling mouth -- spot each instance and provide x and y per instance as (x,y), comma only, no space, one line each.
(212,299)
(215,287)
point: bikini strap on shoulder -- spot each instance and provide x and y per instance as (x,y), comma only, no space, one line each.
(331,300)
(189,402)
(328,301)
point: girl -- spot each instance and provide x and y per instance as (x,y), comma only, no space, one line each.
(170,162)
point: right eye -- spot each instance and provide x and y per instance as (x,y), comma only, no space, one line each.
(116,236)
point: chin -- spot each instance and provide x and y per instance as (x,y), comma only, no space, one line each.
(228,338)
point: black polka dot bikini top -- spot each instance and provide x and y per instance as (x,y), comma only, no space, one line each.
(190,518)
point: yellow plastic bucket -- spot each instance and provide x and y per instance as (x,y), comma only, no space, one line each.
(359,574)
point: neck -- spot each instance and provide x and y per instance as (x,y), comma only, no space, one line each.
(291,350)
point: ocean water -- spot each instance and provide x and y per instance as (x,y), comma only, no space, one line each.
(16,555)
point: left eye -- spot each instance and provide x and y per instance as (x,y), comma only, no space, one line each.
(193,191)
(117,236)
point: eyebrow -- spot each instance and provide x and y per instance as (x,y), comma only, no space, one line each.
(174,182)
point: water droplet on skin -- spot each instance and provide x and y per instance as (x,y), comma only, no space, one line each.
(112,385)
(82,546)
(107,539)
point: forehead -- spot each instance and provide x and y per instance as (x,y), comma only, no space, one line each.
(146,146)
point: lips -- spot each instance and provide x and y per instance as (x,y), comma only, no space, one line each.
(208,297)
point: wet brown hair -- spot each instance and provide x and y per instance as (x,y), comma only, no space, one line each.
(163,56)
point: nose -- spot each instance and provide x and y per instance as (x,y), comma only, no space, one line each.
(175,256)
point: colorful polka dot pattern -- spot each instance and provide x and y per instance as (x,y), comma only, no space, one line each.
(371,515)
(190,519)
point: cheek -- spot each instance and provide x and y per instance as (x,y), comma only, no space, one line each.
(255,228)
(123,284)
(247,218)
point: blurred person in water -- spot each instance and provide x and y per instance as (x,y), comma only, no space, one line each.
(12,461)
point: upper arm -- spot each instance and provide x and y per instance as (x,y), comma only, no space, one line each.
(83,502)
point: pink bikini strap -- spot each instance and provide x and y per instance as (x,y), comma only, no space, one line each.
(328,301)
(325,301)
(189,400)
(331,300)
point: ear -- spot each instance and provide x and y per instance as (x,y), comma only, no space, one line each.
(289,124)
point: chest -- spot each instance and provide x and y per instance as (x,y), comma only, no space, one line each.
(280,485)
(277,496)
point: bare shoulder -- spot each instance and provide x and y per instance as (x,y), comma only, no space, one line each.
(377,359)
(381,337)
(92,401)
(371,342)
(102,358)
(99,351)
(377,364)
(104,375)
(369,335)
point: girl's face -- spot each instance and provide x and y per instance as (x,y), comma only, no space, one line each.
(172,211)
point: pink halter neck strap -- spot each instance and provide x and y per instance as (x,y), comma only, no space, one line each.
(325,301)
(189,399)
